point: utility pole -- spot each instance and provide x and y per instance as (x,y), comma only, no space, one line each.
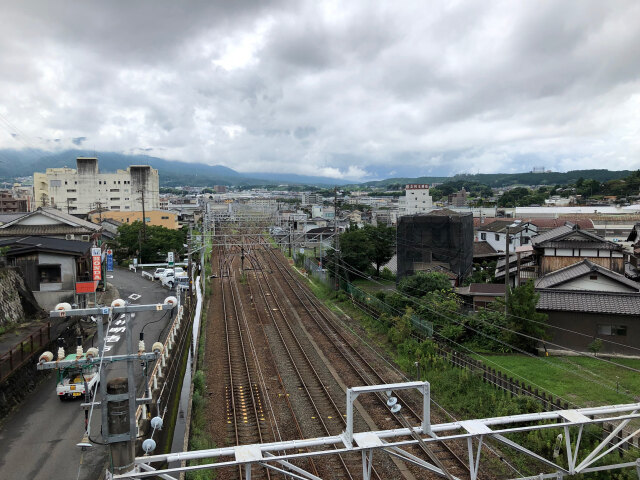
(506,275)
(68,208)
(290,238)
(338,263)
(189,268)
(99,207)
(144,216)
(43,200)
(118,396)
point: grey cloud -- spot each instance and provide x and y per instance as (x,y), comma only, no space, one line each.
(78,140)
(414,86)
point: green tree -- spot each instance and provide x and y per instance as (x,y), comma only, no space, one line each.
(382,240)
(356,251)
(154,247)
(524,320)
(421,283)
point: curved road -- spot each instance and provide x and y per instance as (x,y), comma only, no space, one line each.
(39,438)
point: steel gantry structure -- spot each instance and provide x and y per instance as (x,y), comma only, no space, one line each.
(571,424)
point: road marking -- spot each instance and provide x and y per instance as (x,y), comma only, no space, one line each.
(134,296)
(109,276)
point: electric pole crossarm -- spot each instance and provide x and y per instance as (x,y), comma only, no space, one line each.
(81,312)
(149,356)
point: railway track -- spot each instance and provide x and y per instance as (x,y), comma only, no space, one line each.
(327,417)
(246,415)
(439,453)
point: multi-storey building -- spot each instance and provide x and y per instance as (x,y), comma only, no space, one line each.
(80,190)
(9,203)
(416,200)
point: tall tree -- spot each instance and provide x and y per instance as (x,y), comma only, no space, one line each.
(159,241)
(382,240)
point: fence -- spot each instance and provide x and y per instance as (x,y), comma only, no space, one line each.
(24,350)
(310,266)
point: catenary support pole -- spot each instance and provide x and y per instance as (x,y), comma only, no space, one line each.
(122,453)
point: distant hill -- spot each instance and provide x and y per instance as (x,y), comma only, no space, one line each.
(18,163)
(507,179)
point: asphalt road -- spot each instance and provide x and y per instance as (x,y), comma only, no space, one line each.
(38,440)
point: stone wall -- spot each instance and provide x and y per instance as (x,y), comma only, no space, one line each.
(17,302)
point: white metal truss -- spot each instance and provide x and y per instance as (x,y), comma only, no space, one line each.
(476,432)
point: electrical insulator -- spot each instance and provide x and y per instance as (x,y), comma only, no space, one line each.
(149,445)
(60,353)
(46,357)
(141,346)
(92,352)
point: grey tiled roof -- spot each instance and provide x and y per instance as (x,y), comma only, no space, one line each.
(589,302)
(577,270)
(570,237)
(556,232)
(28,230)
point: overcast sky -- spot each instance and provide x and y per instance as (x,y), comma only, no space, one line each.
(358,89)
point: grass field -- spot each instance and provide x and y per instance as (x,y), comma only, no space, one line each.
(374,286)
(580,380)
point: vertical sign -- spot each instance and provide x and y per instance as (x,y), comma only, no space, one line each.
(96,262)
(170,259)
(109,260)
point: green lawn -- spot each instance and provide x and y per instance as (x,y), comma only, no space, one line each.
(373,286)
(581,380)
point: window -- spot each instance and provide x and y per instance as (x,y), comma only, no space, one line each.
(72,199)
(49,273)
(607,329)
(510,239)
(593,277)
(524,240)
(118,182)
(71,190)
(65,182)
(75,183)
(115,199)
(147,219)
(55,183)
(164,218)
(483,236)
(114,190)
(497,236)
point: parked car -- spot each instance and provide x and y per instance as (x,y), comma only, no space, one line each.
(158,272)
(171,272)
(170,280)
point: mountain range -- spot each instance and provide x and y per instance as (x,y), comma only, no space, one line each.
(22,163)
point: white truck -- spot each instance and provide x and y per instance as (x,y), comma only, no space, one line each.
(74,381)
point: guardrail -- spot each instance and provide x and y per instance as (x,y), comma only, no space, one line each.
(24,350)
(158,374)
(148,276)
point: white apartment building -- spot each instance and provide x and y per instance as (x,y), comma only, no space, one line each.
(416,200)
(83,189)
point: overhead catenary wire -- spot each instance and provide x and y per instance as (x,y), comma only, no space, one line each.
(420,301)
(505,343)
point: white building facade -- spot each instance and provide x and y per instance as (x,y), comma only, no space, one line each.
(83,189)
(416,200)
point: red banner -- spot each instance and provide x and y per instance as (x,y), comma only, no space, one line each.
(97,268)
(86,287)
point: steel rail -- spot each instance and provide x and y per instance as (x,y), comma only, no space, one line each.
(342,342)
(296,367)
(231,364)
